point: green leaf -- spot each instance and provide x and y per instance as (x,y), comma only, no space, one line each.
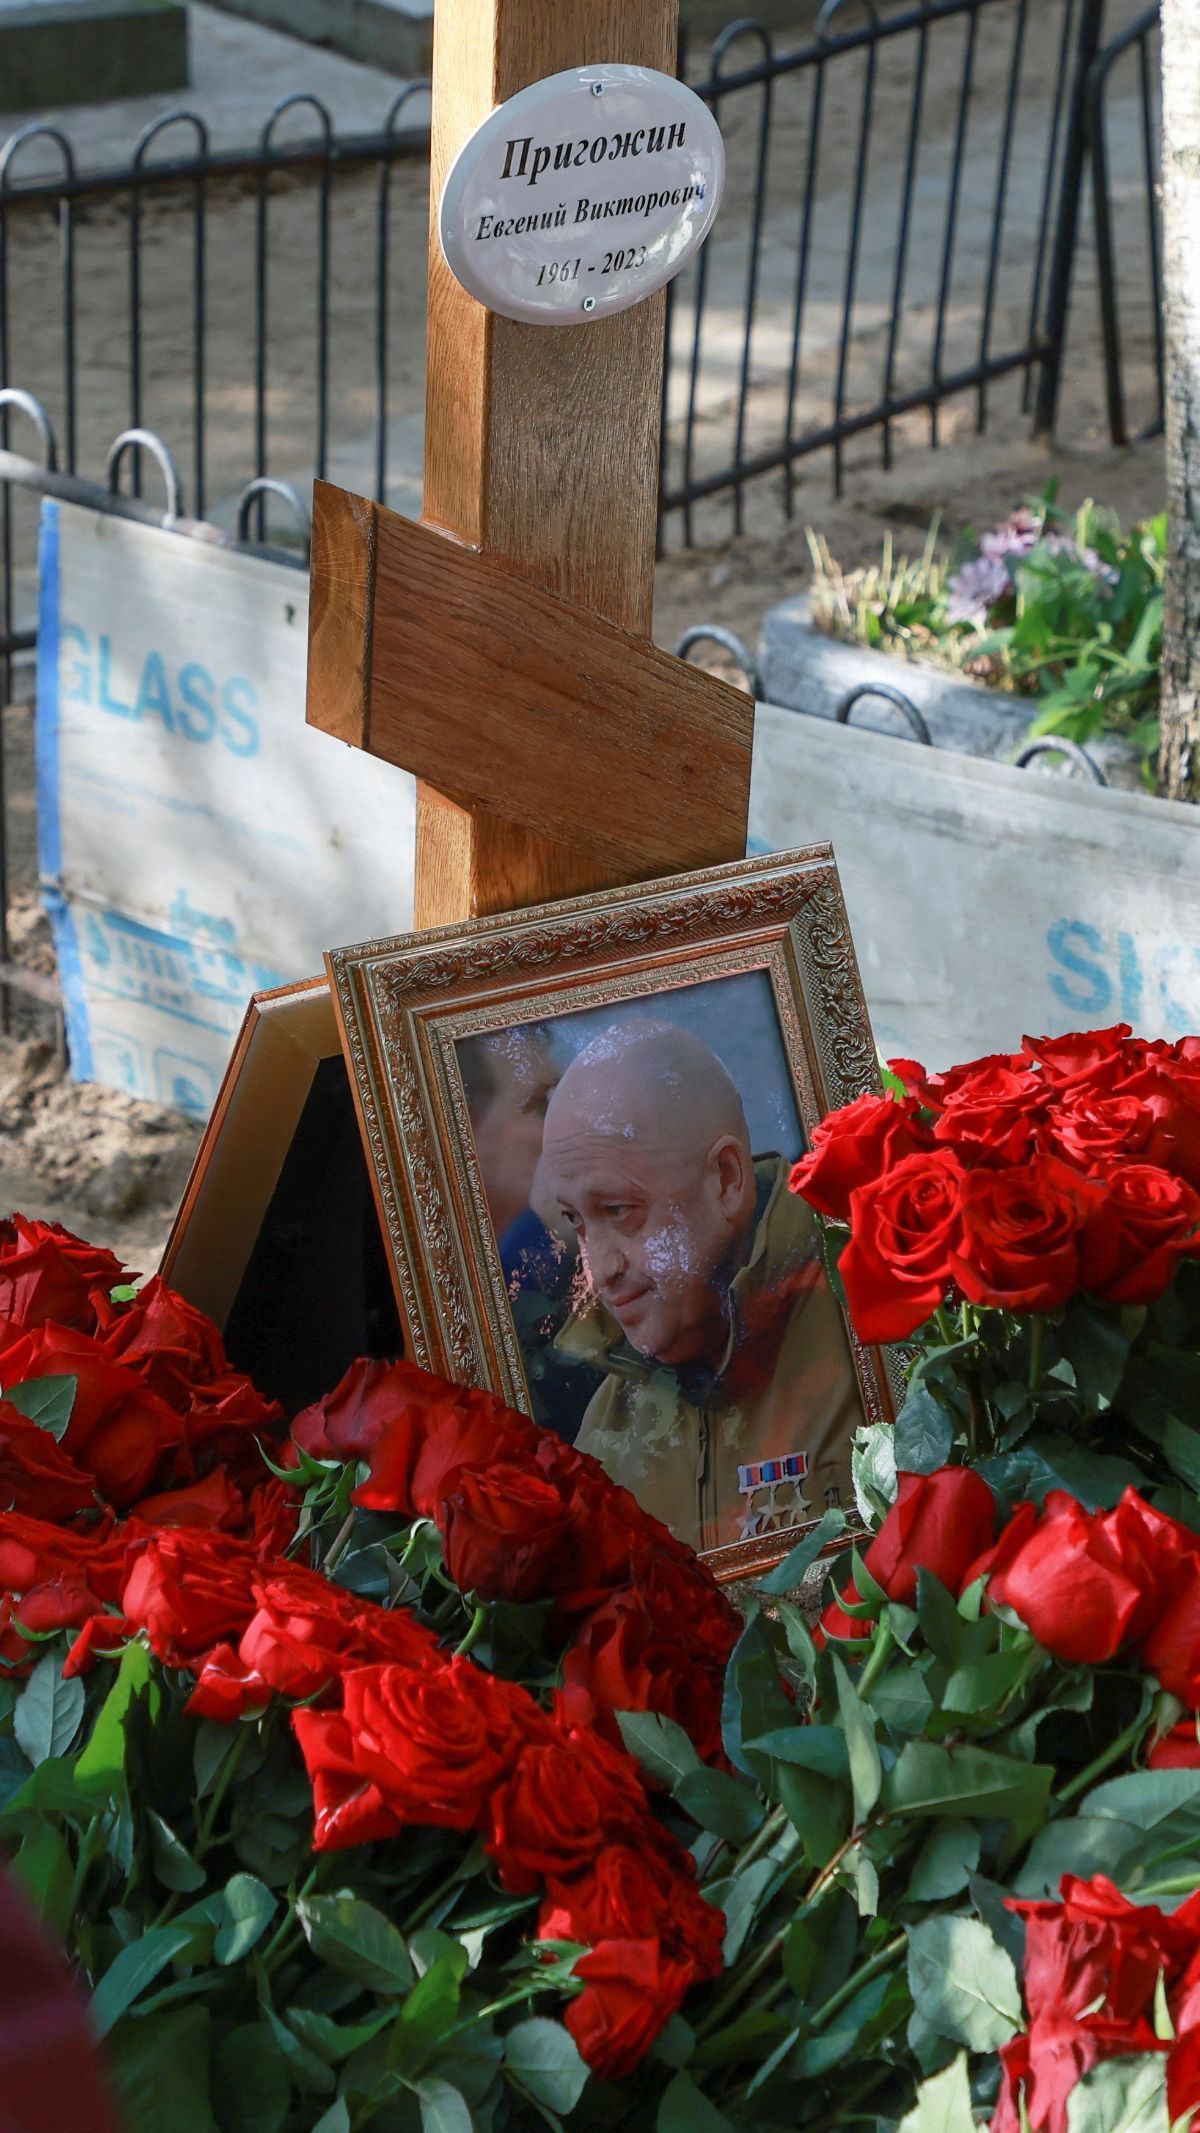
(738,1896)
(544,2060)
(250,2086)
(1097,1347)
(49,1712)
(902,1700)
(1126,2095)
(133,1969)
(662,1748)
(432,2006)
(949,1854)
(924,1433)
(247,1908)
(101,1766)
(819,1748)
(943,2103)
(160,2068)
(43,1866)
(928,1778)
(356,1940)
(1149,1799)
(46,1401)
(685,2109)
(310,2075)
(173,1863)
(720,1803)
(210,1747)
(788,1574)
(963,1982)
(443,2107)
(334,2041)
(754,1700)
(336,2119)
(866,1771)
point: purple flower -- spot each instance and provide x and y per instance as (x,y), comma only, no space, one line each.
(975,587)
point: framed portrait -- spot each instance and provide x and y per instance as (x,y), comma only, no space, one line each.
(277,1236)
(581,1121)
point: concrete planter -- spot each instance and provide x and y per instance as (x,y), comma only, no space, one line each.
(806,671)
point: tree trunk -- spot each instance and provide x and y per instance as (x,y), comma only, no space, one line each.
(1179,757)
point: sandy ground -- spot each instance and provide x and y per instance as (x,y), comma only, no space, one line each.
(104,1164)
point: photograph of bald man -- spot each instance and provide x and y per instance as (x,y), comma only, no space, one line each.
(728,1398)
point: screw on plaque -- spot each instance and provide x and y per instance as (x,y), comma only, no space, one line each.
(589,303)
(597,88)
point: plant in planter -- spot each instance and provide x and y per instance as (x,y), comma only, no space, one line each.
(1065,609)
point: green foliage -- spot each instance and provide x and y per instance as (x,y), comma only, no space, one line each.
(1073,620)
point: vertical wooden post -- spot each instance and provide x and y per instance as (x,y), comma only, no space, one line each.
(541,443)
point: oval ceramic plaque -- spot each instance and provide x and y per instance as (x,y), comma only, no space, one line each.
(583,194)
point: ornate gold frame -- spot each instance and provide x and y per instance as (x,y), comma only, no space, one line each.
(405,1003)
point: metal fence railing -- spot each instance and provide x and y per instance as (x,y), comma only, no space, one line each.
(899,181)
(896,245)
(1125,203)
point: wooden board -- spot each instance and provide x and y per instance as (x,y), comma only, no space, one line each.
(507,698)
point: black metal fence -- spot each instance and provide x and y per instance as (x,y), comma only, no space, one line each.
(896,247)
(1125,78)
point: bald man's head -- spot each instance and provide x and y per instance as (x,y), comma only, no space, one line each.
(647,1154)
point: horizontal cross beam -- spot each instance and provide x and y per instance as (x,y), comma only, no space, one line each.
(443,660)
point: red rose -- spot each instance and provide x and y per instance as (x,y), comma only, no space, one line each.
(1095,1132)
(505,1532)
(635,1654)
(347,1807)
(939,1522)
(304,1634)
(835,1622)
(433,1742)
(614,1539)
(190,1590)
(853,1147)
(990,1111)
(46,1273)
(904,1232)
(434,1429)
(1022,1230)
(1071,1584)
(1177,1750)
(1148,1222)
(169,1343)
(1160,1556)
(632,1990)
(1169,1088)
(118,1428)
(1171,1648)
(564,1800)
(54,1579)
(1086,1059)
(350,1420)
(36,1474)
(642,1894)
(214,1502)
(1092,1965)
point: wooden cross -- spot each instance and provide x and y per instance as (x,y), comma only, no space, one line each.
(500,649)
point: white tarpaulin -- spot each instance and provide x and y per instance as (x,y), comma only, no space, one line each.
(986,901)
(197,841)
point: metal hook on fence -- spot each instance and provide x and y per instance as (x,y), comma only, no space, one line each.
(1070,749)
(715,633)
(293,103)
(745,26)
(15,396)
(131,440)
(35,132)
(266,485)
(821,27)
(420,86)
(897,697)
(149,134)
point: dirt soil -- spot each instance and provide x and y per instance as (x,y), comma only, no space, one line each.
(115,1168)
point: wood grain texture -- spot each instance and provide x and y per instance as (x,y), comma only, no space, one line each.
(340,608)
(542,442)
(516,701)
